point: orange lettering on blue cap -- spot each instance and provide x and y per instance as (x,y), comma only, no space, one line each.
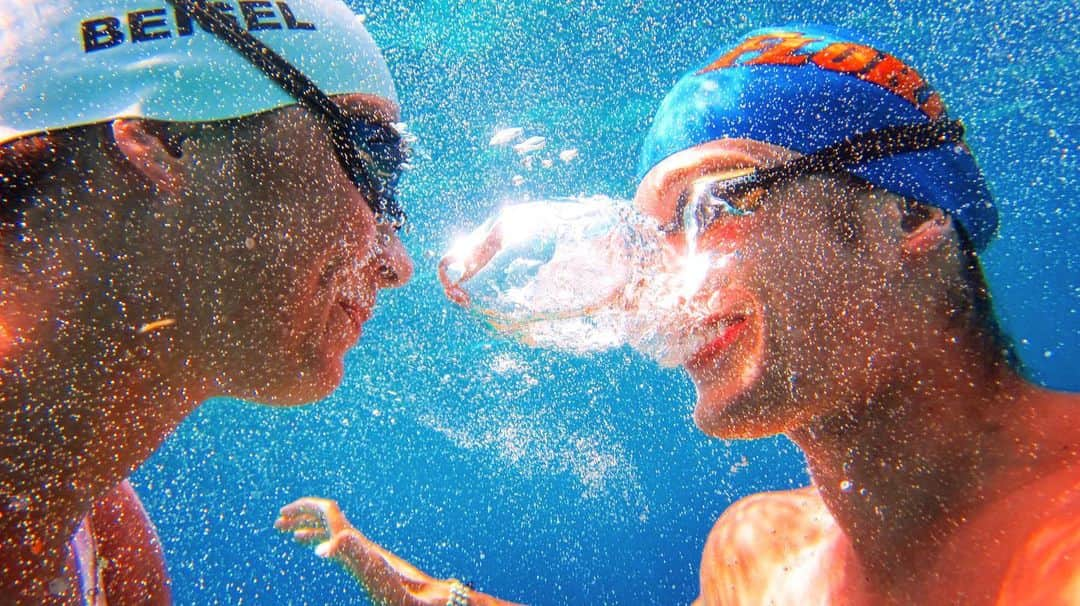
(863,62)
(771,49)
(882,69)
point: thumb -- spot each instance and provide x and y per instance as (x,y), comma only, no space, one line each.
(325,549)
(332,547)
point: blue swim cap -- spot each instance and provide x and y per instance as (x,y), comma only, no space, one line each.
(807,87)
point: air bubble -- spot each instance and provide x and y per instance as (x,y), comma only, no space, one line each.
(59,586)
(584,275)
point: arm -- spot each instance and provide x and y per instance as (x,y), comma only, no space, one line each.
(386,577)
(132,561)
(1046,570)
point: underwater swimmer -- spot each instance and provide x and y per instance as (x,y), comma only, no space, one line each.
(850,314)
(179,220)
(856,320)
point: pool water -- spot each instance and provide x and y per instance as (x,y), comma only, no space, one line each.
(548,478)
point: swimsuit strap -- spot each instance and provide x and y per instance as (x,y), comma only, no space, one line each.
(84,549)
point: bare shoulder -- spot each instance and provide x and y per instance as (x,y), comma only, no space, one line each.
(130,555)
(769,517)
(1045,570)
(766,547)
(1044,563)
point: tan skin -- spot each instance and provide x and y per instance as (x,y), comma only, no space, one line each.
(938,471)
(233,261)
(940,475)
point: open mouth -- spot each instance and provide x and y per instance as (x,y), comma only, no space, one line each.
(724,330)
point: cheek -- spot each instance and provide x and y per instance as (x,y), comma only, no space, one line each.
(298,185)
(275,280)
(734,234)
(798,287)
(826,323)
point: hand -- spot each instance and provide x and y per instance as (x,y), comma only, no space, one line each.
(478,258)
(386,577)
(317,521)
(452,289)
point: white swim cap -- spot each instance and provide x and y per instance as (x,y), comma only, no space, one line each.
(78,62)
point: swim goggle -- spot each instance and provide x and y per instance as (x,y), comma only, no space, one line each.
(591,273)
(372,155)
(739,192)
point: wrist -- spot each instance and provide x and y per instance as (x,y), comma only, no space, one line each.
(459,594)
(346,547)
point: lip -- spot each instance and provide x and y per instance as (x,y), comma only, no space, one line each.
(356,312)
(729,326)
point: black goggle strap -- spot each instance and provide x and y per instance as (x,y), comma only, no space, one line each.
(298,85)
(856,149)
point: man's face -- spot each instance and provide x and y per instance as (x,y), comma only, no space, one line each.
(300,257)
(799,314)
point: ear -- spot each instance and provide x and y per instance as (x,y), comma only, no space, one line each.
(933,233)
(147,151)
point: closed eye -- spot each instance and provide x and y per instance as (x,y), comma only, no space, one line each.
(381,147)
(732,201)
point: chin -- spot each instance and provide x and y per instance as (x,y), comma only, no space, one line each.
(730,375)
(307,385)
(317,384)
(745,416)
(318,373)
(760,403)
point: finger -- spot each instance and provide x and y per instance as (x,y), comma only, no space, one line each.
(324,549)
(306,505)
(326,511)
(289,523)
(334,546)
(310,535)
(458,295)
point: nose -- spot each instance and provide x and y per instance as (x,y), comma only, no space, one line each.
(393,265)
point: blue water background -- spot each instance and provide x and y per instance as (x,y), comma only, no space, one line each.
(552,479)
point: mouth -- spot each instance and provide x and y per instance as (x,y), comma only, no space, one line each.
(727,366)
(724,330)
(355,311)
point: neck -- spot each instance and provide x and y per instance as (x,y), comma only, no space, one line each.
(85,398)
(902,470)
